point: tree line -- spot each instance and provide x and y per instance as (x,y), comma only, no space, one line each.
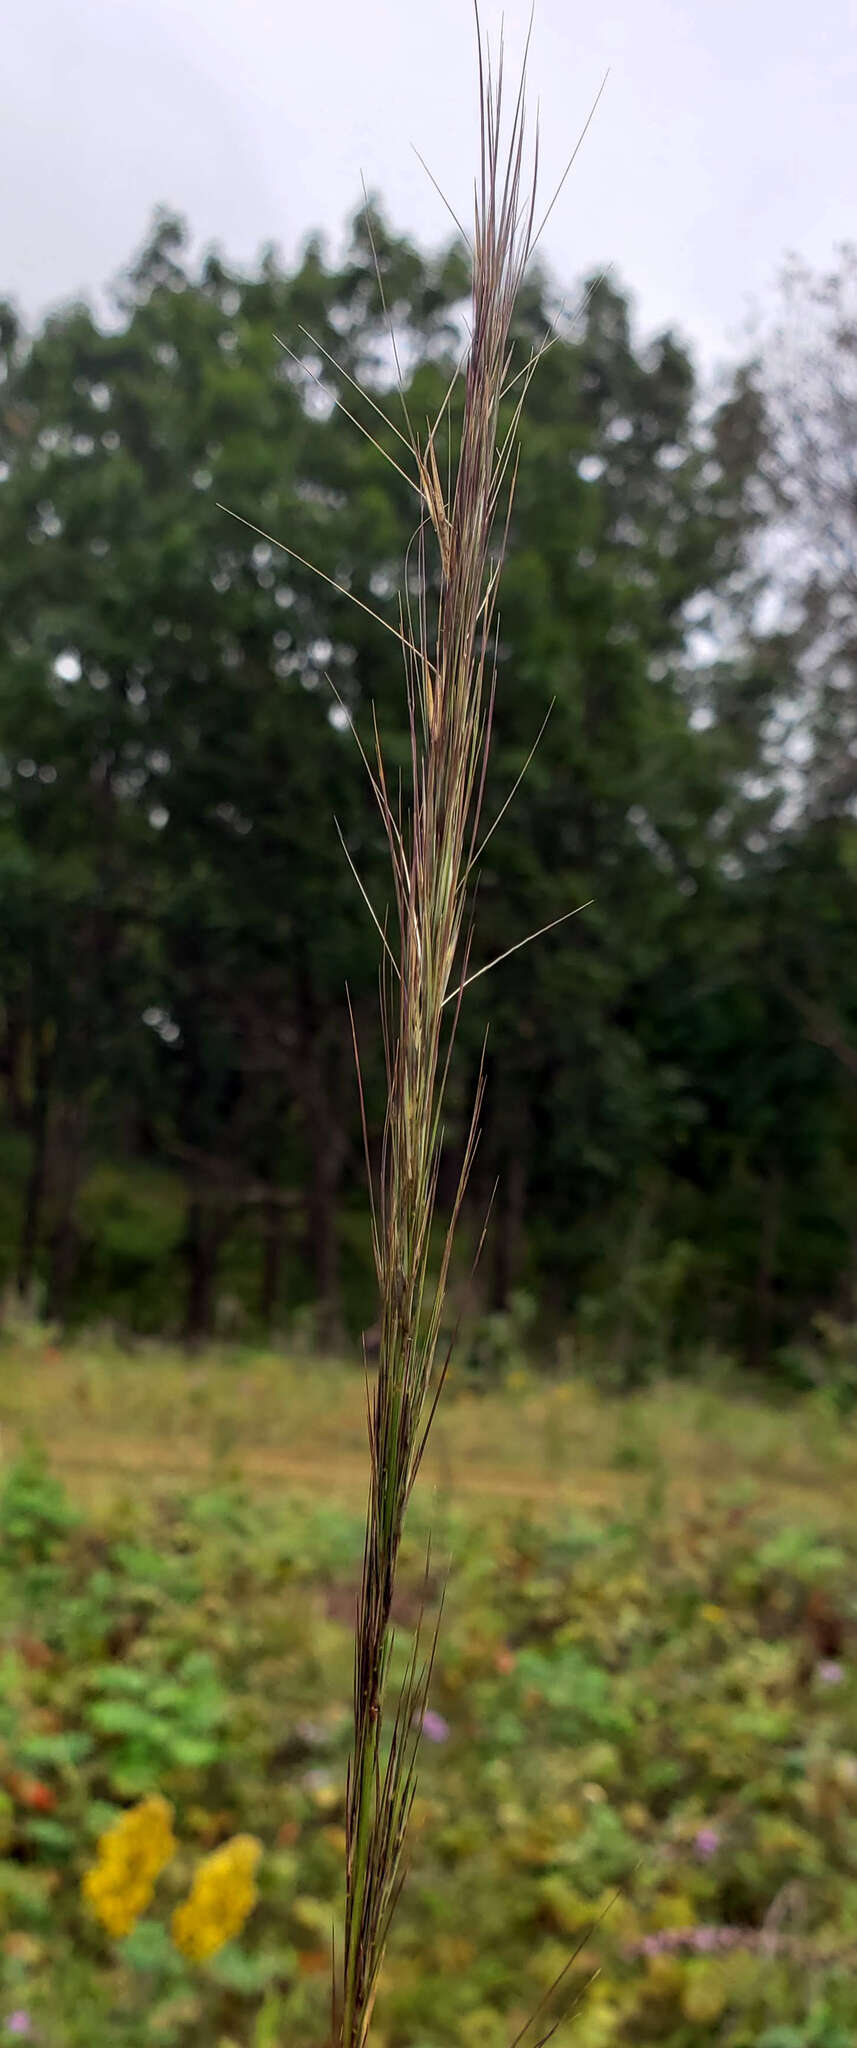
(671,1105)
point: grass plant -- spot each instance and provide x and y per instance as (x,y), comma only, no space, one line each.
(448,641)
(447,631)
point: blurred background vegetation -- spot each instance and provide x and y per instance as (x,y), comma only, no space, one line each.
(640,1757)
(671,1110)
(642,1745)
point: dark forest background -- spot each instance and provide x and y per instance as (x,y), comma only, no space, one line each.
(671,1110)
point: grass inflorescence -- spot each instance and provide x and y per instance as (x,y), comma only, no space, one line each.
(433,844)
(447,631)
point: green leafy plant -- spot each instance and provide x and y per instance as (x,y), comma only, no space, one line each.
(36,1518)
(151,1729)
(622,1704)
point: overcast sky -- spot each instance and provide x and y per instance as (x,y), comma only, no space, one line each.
(725,138)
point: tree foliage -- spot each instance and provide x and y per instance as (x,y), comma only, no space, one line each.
(670,1105)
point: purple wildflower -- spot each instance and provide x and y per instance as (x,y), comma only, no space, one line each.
(435,1728)
(312,1733)
(316,1781)
(830,1672)
(706,1842)
(19,2022)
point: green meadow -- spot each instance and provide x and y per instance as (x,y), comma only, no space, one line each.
(639,1763)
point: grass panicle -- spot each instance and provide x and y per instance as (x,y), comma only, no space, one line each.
(450,670)
(448,642)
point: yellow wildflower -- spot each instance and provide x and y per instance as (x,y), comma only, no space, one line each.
(221,1899)
(129,1858)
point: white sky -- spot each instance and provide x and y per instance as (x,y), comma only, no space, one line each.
(727,135)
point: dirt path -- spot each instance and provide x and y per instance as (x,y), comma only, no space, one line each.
(113,1425)
(111,1463)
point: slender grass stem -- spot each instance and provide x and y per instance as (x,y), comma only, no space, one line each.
(450,682)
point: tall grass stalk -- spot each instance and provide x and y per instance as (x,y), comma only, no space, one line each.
(450,673)
(448,639)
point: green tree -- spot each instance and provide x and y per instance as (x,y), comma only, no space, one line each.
(176,696)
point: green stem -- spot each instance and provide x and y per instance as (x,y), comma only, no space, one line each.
(350,2030)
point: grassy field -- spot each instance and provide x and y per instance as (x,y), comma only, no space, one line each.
(642,1749)
(111,1420)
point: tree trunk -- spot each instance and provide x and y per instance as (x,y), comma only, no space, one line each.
(323,1231)
(272,1259)
(625,1365)
(37,1175)
(202,1245)
(14,1067)
(509,1227)
(319,1084)
(506,1155)
(66,1169)
(763,1297)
